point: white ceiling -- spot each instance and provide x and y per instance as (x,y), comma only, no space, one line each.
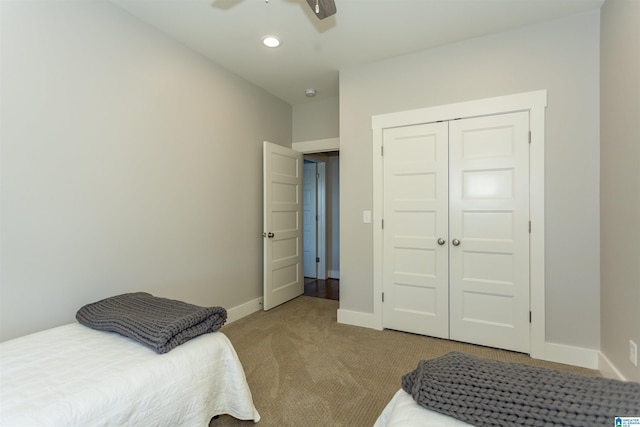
(229,32)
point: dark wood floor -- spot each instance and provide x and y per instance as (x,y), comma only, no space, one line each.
(329,289)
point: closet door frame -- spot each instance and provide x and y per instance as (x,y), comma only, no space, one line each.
(533,102)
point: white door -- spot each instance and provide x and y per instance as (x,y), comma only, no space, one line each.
(489,230)
(415,265)
(456,230)
(282,224)
(310,215)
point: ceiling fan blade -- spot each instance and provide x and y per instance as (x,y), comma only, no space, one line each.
(324,7)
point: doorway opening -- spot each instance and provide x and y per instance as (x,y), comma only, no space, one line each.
(321,224)
(327,289)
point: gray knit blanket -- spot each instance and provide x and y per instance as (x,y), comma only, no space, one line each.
(159,323)
(485,392)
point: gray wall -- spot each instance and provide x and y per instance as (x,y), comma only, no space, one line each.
(560,56)
(316,120)
(320,120)
(620,181)
(128,163)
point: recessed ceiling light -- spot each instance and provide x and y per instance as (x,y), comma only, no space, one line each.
(271,41)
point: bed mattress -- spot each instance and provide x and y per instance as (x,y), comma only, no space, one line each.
(75,376)
(403,411)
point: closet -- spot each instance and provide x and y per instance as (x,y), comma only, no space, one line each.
(456,229)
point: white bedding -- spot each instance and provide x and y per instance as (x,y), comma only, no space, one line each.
(403,411)
(75,376)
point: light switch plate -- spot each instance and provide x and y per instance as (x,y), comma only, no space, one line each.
(366,217)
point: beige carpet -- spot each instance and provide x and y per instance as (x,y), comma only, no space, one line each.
(305,369)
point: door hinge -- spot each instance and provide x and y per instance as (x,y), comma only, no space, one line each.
(529,137)
(529,317)
(317,259)
(383,223)
(382,150)
(529,227)
(383,297)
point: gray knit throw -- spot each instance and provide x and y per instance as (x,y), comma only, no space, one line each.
(159,323)
(485,392)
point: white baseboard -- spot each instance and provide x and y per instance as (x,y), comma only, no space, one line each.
(569,355)
(607,368)
(357,318)
(334,274)
(242,310)
(559,353)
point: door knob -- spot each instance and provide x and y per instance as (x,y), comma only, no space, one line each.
(455,242)
(270,235)
(441,241)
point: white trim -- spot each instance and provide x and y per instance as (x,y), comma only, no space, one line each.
(536,216)
(243,310)
(608,369)
(317,145)
(376,218)
(534,102)
(334,274)
(481,107)
(569,355)
(357,318)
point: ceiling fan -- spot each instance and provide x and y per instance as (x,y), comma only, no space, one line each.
(322,8)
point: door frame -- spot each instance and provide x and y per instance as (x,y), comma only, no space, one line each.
(308,148)
(535,103)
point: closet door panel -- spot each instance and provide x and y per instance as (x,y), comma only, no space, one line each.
(415,266)
(489,216)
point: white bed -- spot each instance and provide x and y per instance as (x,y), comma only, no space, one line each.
(403,411)
(491,392)
(75,376)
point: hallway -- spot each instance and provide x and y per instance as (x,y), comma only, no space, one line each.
(328,289)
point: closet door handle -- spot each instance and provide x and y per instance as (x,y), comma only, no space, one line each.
(455,242)
(441,241)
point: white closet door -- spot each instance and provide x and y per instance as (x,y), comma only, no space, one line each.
(415,270)
(489,216)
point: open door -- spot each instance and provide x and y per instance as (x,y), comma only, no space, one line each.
(282,225)
(310,217)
